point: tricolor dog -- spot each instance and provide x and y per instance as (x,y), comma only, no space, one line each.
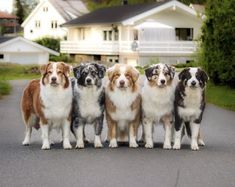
(88,101)
(47,102)
(123,102)
(189,106)
(157,102)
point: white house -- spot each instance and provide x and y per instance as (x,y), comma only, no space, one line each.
(135,34)
(48,15)
(22,51)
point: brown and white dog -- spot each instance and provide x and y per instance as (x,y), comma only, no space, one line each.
(158,102)
(123,104)
(47,102)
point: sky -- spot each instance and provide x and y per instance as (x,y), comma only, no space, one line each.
(6,5)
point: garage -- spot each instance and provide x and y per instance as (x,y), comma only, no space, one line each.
(22,51)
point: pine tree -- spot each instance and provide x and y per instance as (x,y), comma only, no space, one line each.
(19,11)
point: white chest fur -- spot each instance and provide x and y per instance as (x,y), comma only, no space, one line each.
(57,102)
(122,100)
(157,102)
(192,103)
(88,102)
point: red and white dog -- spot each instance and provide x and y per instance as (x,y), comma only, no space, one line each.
(47,102)
(123,104)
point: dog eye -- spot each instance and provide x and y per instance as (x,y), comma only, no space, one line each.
(50,72)
(117,75)
(166,74)
(127,75)
(59,72)
(93,73)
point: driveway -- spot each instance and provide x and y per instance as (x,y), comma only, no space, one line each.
(213,165)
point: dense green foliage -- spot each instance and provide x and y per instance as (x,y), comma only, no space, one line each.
(52,43)
(96,4)
(218,41)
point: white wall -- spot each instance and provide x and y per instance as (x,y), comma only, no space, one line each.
(45,19)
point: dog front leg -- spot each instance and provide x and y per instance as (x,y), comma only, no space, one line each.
(66,131)
(132,135)
(98,129)
(148,132)
(45,136)
(195,132)
(79,136)
(168,129)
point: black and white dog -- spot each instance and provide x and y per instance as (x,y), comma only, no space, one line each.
(189,106)
(88,101)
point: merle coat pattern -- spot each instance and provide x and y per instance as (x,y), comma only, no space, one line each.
(189,105)
(88,101)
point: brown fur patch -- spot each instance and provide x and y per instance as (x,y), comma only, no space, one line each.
(31,102)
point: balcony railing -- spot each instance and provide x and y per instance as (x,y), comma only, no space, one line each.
(116,47)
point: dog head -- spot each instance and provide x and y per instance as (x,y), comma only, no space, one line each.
(122,76)
(55,74)
(89,74)
(160,75)
(193,77)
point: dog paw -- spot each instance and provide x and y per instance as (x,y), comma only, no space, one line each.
(79,145)
(194,146)
(98,145)
(201,142)
(149,145)
(113,143)
(166,146)
(133,144)
(25,143)
(45,146)
(67,146)
(176,146)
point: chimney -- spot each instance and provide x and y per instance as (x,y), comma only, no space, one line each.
(124,2)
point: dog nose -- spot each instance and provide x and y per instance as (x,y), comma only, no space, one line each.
(122,82)
(193,83)
(53,79)
(88,80)
(163,81)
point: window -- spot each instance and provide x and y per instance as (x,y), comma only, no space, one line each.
(116,35)
(37,24)
(184,34)
(54,24)
(135,34)
(110,35)
(105,35)
(1,56)
(45,9)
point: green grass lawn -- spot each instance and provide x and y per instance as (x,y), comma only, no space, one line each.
(222,96)
(5,88)
(16,71)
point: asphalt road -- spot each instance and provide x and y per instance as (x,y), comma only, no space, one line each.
(213,165)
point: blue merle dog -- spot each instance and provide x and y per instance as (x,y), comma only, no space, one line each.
(88,101)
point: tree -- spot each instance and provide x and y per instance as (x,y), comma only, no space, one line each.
(218,41)
(19,11)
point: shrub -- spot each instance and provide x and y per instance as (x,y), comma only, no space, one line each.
(218,42)
(5,88)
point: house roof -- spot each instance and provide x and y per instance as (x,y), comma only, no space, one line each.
(68,9)
(114,14)
(5,15)
(4,41)
(198,7)
(5,38)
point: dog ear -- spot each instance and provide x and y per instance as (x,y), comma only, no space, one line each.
(110,72)
(182,74)
(77,71)
(172,71)
(101,70)
(149,72)
(67,69)
(204,76)
(43,68)
(135,74)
